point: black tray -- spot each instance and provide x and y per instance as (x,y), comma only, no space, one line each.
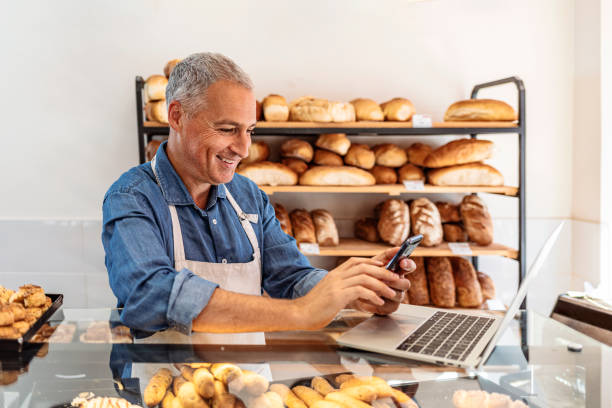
(18,344)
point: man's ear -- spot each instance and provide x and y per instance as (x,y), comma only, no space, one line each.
(176,116)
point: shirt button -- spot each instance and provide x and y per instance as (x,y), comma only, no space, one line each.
(215,221)
(224,260)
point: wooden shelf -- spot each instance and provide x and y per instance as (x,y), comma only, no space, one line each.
(392,189)
(358,247)
(382,125)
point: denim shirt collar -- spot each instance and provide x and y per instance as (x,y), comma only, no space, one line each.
(174,190)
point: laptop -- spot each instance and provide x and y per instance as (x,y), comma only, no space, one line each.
(447,337)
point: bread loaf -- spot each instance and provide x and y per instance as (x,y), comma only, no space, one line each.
(297,165)
(480,110)
(476,220)
(389,155)
(384,175)
(269,174)
(169,67)
(275,108)
(410,172)
(441,281)
(472,174)
(425,220)
(283,217)
(258,151)
(418,292)
(342,112)
(334,142)
(394,222)
(157,111)
(366,229)
(398,109)
(151,149)
(303,226)
(466,283)
(460,151)
(325,228)
(360,155)
(486,286)
(448,212)
(298,149)
(327,158)
(155,88)
(309,109)
(417,153)
(336,176)
(367,109)
(454,233)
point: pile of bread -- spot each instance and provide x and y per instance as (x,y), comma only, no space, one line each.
(317,226)
(20,309)
(335,161)
(448,282)
(394,220)
(226,385)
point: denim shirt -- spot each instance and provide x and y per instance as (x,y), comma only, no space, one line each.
(138,242)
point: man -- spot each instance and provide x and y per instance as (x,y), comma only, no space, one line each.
(190,245)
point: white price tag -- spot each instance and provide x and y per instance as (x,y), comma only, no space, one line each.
(421,121)
(460,248)
(309,249)
(494,304)
(414,184)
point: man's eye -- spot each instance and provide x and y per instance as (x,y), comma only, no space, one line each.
(251,131)
(227,130)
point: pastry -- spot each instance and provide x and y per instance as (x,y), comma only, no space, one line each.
(410,172)
(486,285)
(325,228)
(394,222)
(366,229)
(303,226)
(297,165)
(480,110)
(6,316)
(258,151)
(269,174)
(389,155)
(360,155)
(156,111)
(298,149)
(472,174)
(334,142)
(425,220)
(275,108)
(441,281)
(448,212)
(418,293)
(398,109)
(21,327)
(417,153)
(155,88)
(460,151)
(466,283)
(454,233)
(283,218)
(9,332)
(384,175)
(18,311)
(336,176)
(327,158)
(367,109)
(476,220)
(170,66)
(36,299)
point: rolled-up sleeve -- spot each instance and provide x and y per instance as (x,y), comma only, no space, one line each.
(154,295)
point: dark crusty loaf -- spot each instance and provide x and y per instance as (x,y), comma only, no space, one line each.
(394,222)
(476,220)
(441,281)
(365,228)
(454,233)
(303,226)
(466,283)
(418,293)
(448,212)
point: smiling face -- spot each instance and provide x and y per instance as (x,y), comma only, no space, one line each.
(205,147)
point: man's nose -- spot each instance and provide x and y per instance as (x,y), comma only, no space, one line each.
(242,144)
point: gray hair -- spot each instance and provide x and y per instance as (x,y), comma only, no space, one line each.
(191,78)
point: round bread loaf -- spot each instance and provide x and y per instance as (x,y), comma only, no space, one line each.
(398,109)
(303,226)
(460,152)
(409,172)
(466,283)
(325,228)
(151,149)
(283,218)
(441,281)
(389,155)
(448,212)
(327,158)
(342,112)
(298,149)
(394,222)
(471,174)
(336,176)
(258,151)
(155,88)
(384,175)
(170,66)
(367,109)
(366,229)
(269,174)
(297,165)
(334,142)
(425,220)
(480,110)
(418,293)
(275,108)
(476,220)
(360,155)
(417,153)
(156,111)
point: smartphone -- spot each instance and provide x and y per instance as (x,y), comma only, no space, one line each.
(405,250)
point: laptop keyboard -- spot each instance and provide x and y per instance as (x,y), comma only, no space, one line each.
(447,335)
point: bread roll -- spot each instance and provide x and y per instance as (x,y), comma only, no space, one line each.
(303,226)
(384,175)
(169,67)
(321,385)
(288,397)
(155,88)
(425,220)
(417,153)
(486,286)
(309,109)
(296,148)
(480,110)
(258,151)
(157,386)
(275,108)
(366,229)
(151,149)
(441,281)
(360,155)
(297,165)
(476,220)
(398,109)
(326,158)
(389,155)
(410,172)
(418,293)
(342,112)
(269,174)
(472,174)
(334,142)
(448,212)
(325,228)
(283,218)
(307,394)
(157,111)
(394,222)
(454,233)
(336,176)
(367,109)
(460,151)
(466,283)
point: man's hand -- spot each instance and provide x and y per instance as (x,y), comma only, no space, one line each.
(400,285)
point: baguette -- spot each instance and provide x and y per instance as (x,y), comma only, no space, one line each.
(156,388)
(461,151)
(336,176)
(321,385)
(288,396)
(346,400)
(480,110)
(307,394)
